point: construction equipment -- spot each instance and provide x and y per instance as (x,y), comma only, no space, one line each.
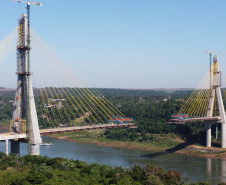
(180,116)
(18,126)
(28,3)
(120,120)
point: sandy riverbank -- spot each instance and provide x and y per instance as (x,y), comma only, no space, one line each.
(213,152)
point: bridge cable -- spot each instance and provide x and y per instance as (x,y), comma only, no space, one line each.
(83,97)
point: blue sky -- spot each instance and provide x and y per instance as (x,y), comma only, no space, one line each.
(140,44)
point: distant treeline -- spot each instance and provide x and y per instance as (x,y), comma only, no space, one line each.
(145,92)
(110,92)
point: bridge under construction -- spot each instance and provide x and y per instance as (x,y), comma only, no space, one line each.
(63,99)
(206,103)
(62,102)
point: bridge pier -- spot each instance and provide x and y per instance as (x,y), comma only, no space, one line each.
(15,147)
(7,147)
(223,135)
(208,134)
(35,149)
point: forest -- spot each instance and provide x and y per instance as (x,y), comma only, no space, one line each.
(44,170)
(151,109)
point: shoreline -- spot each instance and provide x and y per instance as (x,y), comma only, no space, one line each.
(191,150)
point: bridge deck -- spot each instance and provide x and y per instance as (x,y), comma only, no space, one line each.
(9,136)
(79,128)
(181,121)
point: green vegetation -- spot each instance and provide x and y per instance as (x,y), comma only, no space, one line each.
(151,109)
(113,138)
(151,117)
(44,170)
(6,109)
(121,98)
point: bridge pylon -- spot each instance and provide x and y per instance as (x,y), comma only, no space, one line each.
(215,83)
(24,105)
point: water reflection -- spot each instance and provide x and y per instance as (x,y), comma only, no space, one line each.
(223,171)
(209,166)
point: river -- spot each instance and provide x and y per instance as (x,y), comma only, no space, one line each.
(195,168)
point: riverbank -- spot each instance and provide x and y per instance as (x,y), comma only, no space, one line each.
(168,143)
(213,152)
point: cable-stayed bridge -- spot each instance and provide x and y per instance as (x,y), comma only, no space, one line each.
(49,94)
(206,103)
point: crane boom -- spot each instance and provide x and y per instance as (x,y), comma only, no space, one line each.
(214,52)
(28,3)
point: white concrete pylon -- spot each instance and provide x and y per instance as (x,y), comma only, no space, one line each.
(221,106)
(7,147)
(24,107)
(215,90)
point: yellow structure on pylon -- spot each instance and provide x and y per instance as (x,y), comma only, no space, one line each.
(18,126)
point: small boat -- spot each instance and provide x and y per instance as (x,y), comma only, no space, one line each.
(46,144)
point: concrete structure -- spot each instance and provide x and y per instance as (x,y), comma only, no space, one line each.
(23,137)
(183,121)
(215,91)
(59,106)
(7,147)
(24,105)
(215,80)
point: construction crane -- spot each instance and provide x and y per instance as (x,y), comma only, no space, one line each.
(28,3)
(214,52)
(210,53)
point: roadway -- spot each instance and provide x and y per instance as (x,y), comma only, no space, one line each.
(15,136)
(182,121)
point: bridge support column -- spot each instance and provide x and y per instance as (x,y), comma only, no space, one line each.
(208,134)
(7,147)
(223,135)
(222,116)
(35,149)
(15,147)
